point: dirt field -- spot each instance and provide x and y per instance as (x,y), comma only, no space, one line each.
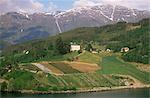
(84,67)
(79,66)
(142,67)
(52,68)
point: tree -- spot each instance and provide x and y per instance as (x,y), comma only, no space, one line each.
(89,47)
(61,47)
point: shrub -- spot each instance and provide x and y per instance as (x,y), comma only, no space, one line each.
(3,86)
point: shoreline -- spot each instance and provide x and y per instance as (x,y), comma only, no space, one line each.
(96,89)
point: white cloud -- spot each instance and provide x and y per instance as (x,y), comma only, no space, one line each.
(83,3)
(139,4)
(29,6)
(51,7)
(32,6)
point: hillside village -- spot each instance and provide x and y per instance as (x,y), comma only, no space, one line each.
(78,47)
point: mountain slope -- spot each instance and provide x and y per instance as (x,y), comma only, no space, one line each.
(20,27)
(114,37)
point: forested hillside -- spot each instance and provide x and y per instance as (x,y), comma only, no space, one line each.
(115,36)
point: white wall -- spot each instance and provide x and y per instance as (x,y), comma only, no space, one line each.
(75,48)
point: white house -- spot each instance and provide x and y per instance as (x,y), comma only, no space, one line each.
(75,48)
(94,52)
(26,51)
(125,49)
(108,50)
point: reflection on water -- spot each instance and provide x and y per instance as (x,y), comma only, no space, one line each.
(128,93)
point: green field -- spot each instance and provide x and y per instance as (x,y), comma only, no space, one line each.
(21,80)
(25,80)
(86,80)
(89,57)
(113,65)
(65,68)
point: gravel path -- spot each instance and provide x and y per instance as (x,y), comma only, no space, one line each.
(42,67)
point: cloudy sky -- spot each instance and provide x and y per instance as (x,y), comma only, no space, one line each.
(32,6)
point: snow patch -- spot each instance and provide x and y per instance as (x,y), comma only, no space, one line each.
(123,19)
(48,13)
(24,14)
(57,24)
(133,12)
(27,16)
(73,11)
(118,19)
(112,15)
(106,16)
(21,30)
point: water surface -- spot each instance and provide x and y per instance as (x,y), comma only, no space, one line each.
(127,93)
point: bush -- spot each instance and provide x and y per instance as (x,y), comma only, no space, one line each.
(55,88)
(3,86)
(65,88)
(70,59)
(80,51)
(42,89)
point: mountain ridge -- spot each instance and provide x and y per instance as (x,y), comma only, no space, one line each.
(18,27)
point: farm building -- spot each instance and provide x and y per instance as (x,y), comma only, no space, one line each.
(108,50)
(94,50)
(26,51)
(75,47)
(125,49)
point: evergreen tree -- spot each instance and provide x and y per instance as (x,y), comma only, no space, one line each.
(61,47)
(89,47)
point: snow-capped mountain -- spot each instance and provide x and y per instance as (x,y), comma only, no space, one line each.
(19,27)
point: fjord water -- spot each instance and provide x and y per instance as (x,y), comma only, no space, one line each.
(128,93)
